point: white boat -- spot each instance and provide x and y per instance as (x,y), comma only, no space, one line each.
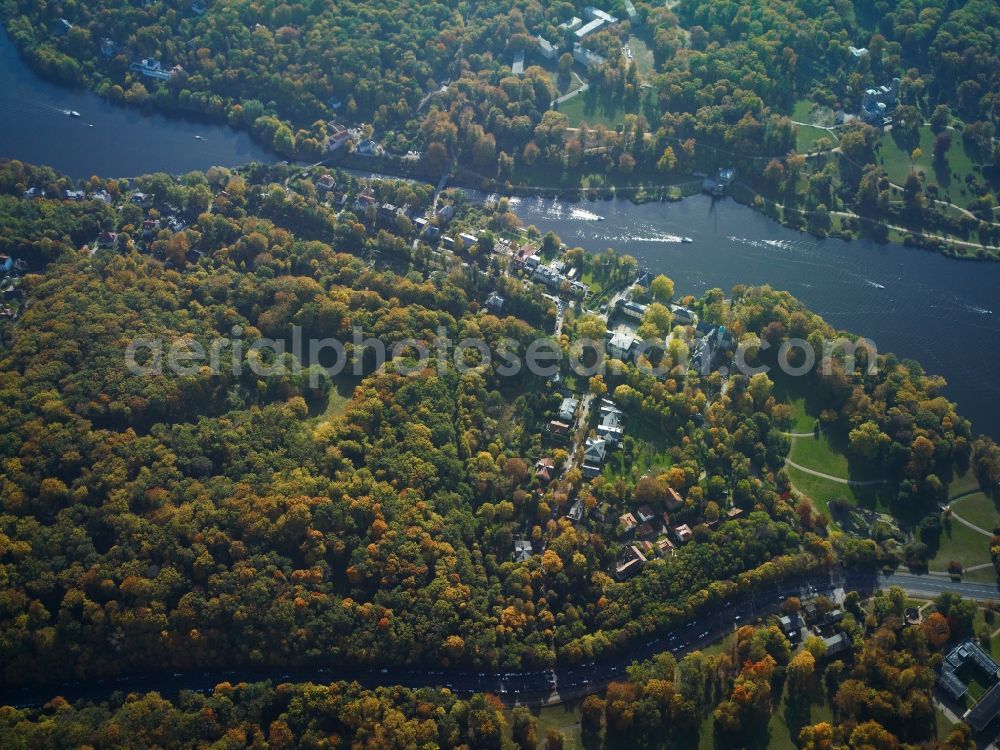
(72,113)
(686,239)
(199,138)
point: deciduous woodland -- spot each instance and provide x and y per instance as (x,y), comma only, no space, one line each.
(220,518)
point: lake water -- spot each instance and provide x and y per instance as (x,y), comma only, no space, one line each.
(123,141)
(942,312)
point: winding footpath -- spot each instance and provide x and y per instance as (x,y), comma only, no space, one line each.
(832,478)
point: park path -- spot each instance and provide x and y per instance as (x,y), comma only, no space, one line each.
(838,480)
(961,520)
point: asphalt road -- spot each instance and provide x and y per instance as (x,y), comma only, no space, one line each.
(526,687)
(933,585)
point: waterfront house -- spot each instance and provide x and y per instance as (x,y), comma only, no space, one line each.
(152,68)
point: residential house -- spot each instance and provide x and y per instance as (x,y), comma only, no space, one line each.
(631,562)
(878,104)
(567,409)
(6,263)
(645,531)
(139,198)
(152,68)
(791,625)
(545,469)
(336,136)
(557,428)
(199,8)
(594,453)
(522,550)
(495,303)
(620,346)
(75,195)
(645,514)
(107,240)
(368,147)
(611,425)
(389,213)
(684,315)
(448,242)
(721,183)
(109,47)
(734,513)
(837,644)
(632,309)
(576,511)
(446,213)
(664,546)
(326,182)
(682,534)
(628,522)
(673,500)
(858,52)
(572,24)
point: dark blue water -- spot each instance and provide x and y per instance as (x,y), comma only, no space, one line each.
(942,312)
(123,141)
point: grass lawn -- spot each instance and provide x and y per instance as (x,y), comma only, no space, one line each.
(895,157)
(959,542)
(807,137)
(564,718)
(802,420)
(340,394)
(944,724)
(642,55)
(821,491)
(652,457)
(820,454)
(970,675)
(963,484)
(805,408)
(595,106)
(983,575)
(564,85)
(995,642)
(978,509)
